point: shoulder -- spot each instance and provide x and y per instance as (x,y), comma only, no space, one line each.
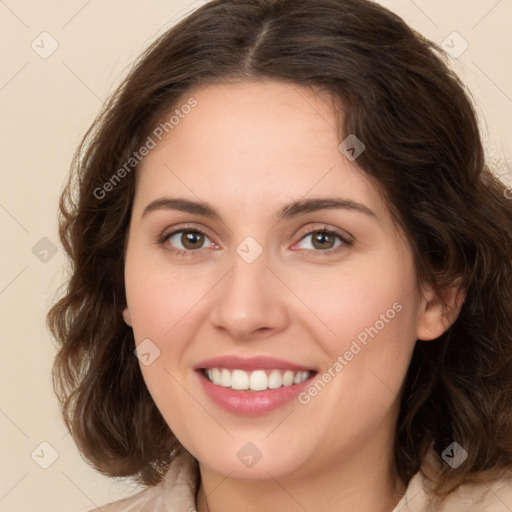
(495,496)
(175,493)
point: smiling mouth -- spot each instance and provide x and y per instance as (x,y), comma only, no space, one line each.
(256,380)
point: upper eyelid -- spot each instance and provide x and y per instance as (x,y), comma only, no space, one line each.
(167,233)
(337,231)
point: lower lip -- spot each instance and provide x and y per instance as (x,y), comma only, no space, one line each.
(252,403)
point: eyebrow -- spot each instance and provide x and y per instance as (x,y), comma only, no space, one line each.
(288,211)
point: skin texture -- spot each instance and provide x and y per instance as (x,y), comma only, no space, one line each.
(247,149)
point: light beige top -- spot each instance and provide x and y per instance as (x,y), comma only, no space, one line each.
(176,493)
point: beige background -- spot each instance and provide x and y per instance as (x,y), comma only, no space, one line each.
(46,105)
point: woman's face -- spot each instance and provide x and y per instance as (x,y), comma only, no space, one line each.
(253,268)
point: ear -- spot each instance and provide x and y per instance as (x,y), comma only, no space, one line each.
(127,317)
(434,317)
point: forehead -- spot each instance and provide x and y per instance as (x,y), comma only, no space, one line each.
(250,143)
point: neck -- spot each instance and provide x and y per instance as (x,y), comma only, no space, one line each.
(368,483)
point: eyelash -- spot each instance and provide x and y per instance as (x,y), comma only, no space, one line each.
(192,229)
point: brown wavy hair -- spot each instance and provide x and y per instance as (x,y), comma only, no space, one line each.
(423,150)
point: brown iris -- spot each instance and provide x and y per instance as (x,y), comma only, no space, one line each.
(192,239)
(321,238)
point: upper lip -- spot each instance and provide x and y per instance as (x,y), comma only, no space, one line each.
(250,364)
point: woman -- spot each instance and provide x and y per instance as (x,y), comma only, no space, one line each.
(284,212)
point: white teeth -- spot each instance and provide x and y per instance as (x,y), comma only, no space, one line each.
(275,380)
(288,378)
(239,380)
(216,376)
(257,380)
(225,378)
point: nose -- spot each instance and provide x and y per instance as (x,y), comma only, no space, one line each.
(250,302)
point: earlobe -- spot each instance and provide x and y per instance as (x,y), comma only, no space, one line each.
(436,318)
(127,317)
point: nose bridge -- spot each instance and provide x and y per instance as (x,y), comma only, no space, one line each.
(248,298)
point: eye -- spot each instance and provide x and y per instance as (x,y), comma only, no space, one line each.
(185,240)
(325,241)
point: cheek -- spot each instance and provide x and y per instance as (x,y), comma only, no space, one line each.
(345,305)
(161,299)
(368,327)
(163,310)
(367,359)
